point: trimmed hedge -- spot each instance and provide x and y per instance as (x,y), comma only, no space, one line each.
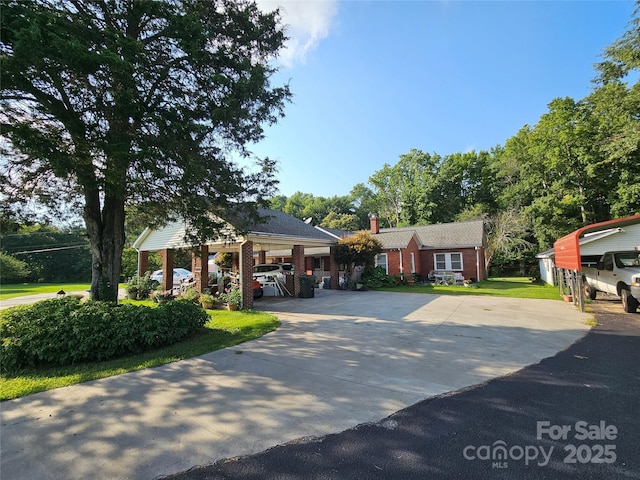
(66,331)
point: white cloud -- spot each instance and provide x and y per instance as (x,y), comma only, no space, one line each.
(307,21)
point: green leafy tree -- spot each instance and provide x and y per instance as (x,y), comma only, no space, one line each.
(567,158)
(341,221)
(415,172)
(364,203)
(617,133)
(617,105)
(297,203)
(12,270)
(113,104)
(278,202)
(51,254)
(386,186)
(359,249)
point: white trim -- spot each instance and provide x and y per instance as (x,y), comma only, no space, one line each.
(318,227)
(448,262)
(386,261)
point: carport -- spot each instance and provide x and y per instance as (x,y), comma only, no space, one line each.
(569,256)
(276,231)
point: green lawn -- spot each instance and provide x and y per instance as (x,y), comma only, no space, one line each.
(518,287)
(22,289)
(225,329)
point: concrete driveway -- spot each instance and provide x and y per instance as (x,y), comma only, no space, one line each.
(338,360)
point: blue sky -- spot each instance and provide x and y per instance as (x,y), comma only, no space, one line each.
(374,79)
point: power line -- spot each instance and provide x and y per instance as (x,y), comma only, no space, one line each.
(50,249)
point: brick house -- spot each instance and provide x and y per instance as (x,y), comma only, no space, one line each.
(445,247)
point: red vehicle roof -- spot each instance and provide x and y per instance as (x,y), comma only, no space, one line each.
(567,248)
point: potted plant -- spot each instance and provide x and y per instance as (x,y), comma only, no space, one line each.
(163,297)
(190,293)
(139,287)
(207,301)
(410,279)
(232,297)
(132,292)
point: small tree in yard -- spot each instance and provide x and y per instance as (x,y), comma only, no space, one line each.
(359,249)
(107,105)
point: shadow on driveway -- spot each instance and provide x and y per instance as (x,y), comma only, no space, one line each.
(596,381)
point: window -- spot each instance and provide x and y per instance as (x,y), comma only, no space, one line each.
(448,261)
(608,262)
(413,263)
(381,261)
(456,261)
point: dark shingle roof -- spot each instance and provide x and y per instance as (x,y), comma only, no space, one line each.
(280,223)
(440,235)
(395,238)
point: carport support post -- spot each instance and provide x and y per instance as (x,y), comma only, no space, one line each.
(246,273)
(167,269)
(297,255)
(200,267)
(143,262)
(334,268)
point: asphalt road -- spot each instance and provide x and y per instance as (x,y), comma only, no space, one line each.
(574,415)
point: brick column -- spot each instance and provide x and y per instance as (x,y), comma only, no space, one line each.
(297,259)
(200,267)
(167,269)
(143,263)
(262,256)
(246,274)
(334,268)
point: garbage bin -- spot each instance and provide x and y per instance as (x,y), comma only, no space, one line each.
(326,282)
(306,286)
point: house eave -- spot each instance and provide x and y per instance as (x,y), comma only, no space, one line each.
(449,247)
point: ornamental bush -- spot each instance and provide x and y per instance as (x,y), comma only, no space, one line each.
(66,331)
(377,277)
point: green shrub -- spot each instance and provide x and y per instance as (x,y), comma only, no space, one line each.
(377,278)
(66,331)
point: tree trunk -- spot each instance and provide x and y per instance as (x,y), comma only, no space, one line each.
(105,230)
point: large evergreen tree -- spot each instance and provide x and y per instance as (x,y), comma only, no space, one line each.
(110,104)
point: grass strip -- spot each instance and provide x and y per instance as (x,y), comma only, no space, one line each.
(21,289)
(518,287)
